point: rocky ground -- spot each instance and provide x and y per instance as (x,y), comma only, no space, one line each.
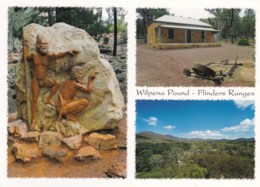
(99,154)
(157,67)
(119,64)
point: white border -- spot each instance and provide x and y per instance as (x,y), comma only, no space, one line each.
(131,16)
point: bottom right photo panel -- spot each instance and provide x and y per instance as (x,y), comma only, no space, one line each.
(200,139)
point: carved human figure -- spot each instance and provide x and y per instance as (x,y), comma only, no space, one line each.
(68,106)
(40,77)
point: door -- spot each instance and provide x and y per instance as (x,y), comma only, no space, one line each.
(188,39)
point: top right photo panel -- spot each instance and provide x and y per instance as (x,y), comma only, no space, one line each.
(195,47)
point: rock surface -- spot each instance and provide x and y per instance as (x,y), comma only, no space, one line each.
(50,138)
(33,136)
(73,142)
(12,117)
(69,128)
(17,128)
(101,141)
(121,133)
(13,59)
(55,153)
(117,171)
(106,103)
(119,64)
(87,153)
(25,152)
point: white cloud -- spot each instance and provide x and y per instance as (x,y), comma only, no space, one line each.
(169,127)
(208,134)
(151,121)
(244,126)
(243,104)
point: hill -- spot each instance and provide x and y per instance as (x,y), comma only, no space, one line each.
(148,136)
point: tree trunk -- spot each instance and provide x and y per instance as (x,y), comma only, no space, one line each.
(231,25)
(50,18)
(145,26)
(115,31)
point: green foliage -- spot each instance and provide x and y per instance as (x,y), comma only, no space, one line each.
(106,40)
(88,19)
(248,24)
(145,16)
(194,159)
(243,42)
(232,23)
(198,172)
(226,166)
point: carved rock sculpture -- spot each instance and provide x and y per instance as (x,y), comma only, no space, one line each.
(106,102)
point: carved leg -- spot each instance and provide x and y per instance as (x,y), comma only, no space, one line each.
(47,82)
(73,108)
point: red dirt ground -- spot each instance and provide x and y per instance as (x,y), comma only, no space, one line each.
(164,67)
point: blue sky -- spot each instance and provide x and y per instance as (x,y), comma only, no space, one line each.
(197,119)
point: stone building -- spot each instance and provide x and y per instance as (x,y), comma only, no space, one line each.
(179,32)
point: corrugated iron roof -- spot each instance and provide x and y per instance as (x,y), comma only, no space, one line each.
(181,20)
(189,27)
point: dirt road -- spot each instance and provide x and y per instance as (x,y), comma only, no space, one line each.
(164,67)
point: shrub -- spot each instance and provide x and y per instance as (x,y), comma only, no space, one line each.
(243,42)
(106,39)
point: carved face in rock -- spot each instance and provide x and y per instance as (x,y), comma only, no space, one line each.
(42,45)
(77,74)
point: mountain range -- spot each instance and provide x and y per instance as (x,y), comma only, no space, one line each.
(152,136)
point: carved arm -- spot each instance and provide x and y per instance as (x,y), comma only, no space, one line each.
(62,54)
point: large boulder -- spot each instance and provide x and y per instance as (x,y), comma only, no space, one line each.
(106,103)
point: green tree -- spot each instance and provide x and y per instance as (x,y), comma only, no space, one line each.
(88,19)
(156,161)
(145,16)
(226,21)
(248,23)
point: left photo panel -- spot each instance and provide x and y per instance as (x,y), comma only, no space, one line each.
(67,92)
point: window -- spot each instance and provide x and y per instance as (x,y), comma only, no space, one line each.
(170,34)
